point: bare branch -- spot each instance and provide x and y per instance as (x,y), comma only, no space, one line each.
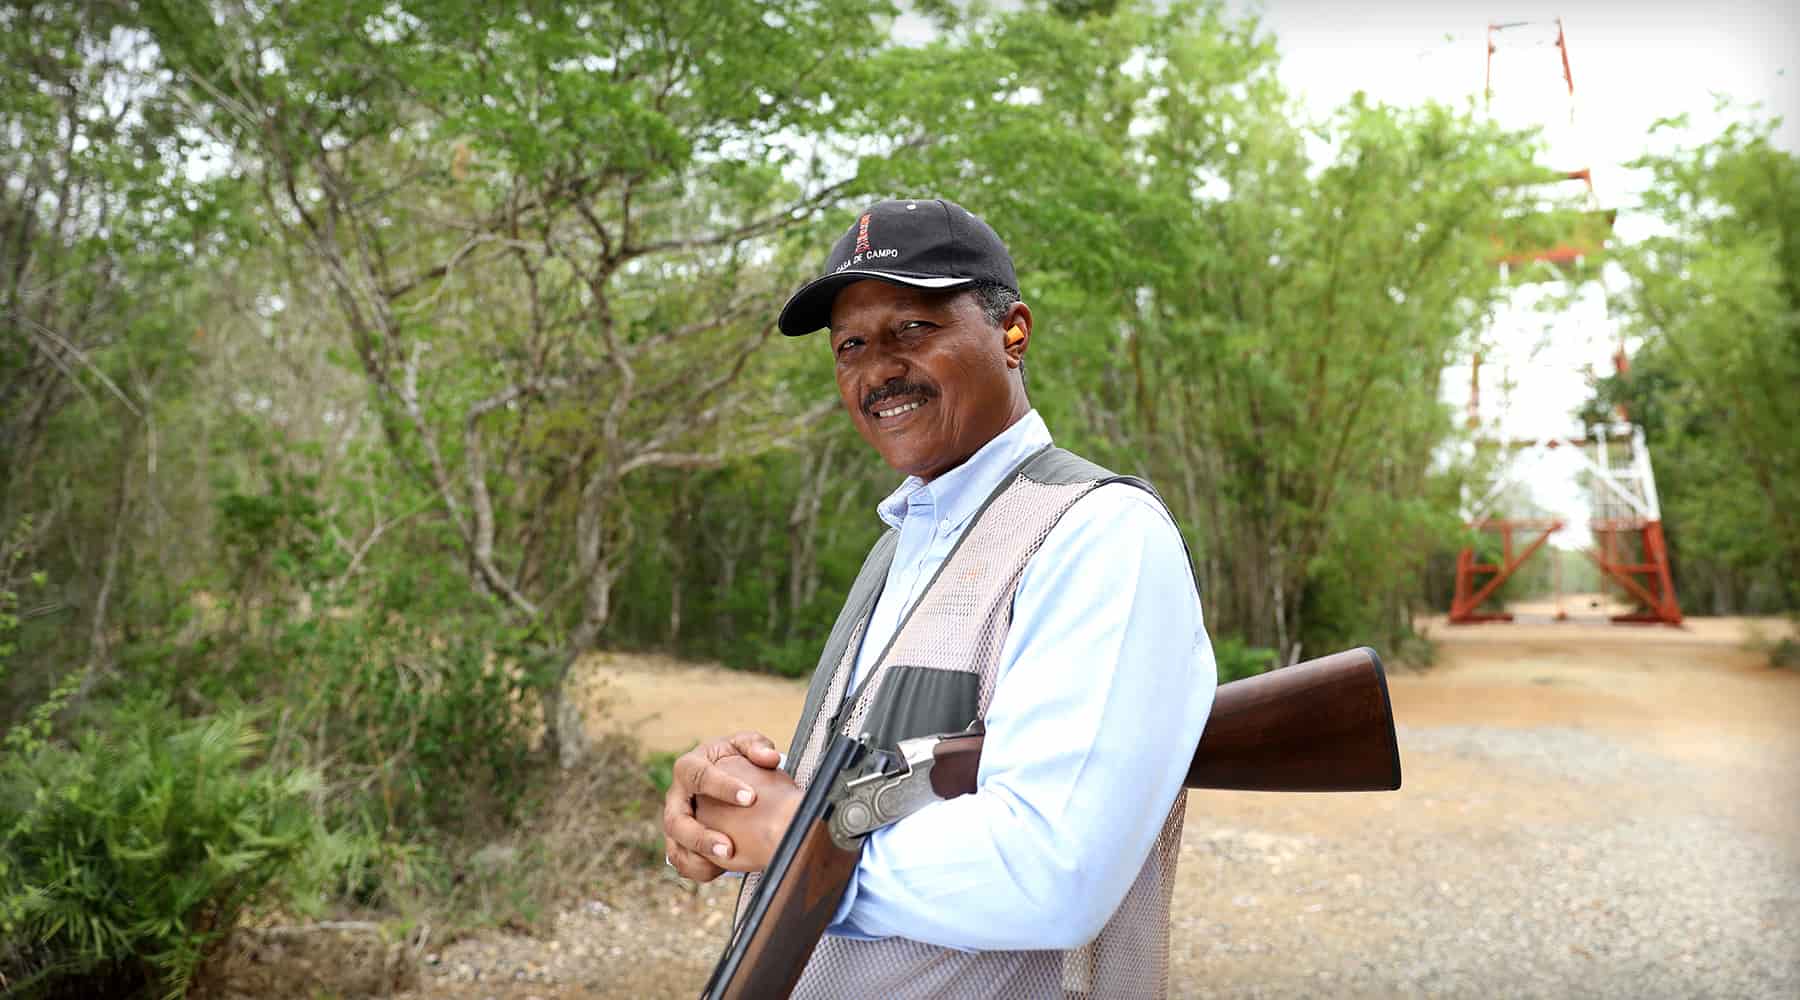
(323,927)
(445,270)
(675,460)
(732,310)
(793,213)
(482,542)
(58,340)
(409,399)
(368,543)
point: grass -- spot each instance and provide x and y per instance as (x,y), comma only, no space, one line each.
(660,767)
(1785,653)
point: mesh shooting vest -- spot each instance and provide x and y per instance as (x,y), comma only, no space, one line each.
(937,675)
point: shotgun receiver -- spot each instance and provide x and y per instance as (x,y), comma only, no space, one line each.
(1325,725)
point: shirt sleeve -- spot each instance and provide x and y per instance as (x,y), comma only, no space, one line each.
(1105,682)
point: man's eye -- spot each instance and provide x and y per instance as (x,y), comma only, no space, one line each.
(914,324)
(848,343)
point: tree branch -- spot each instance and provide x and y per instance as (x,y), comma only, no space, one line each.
(787,216)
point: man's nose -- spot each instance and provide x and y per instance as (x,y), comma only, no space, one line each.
(884,365)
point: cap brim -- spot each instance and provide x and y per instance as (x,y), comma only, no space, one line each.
(809,308)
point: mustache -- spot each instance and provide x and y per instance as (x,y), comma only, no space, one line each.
(884,393)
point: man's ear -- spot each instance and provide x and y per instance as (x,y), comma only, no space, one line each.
(1017,333)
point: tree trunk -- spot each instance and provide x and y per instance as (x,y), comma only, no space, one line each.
(597,559)
(803,530)
(565,728)
(99,659)
(680,542)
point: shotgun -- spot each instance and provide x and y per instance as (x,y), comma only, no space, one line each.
(1325,725)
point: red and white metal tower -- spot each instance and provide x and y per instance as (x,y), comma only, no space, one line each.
(1624,513)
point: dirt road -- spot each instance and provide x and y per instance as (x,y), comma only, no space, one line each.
(1588,810)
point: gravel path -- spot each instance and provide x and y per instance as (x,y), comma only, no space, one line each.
(1643,843)
(1550,863)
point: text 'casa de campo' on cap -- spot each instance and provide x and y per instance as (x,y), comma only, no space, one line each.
(919,242)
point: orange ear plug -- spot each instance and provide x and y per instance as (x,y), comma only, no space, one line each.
(1014,335)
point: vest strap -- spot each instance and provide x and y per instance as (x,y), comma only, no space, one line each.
(870,581)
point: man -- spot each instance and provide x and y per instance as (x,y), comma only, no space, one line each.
(1018,585)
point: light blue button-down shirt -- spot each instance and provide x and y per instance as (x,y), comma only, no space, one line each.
(1105,682)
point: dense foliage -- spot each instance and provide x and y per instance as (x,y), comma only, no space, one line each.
(1716,298)
(128,857)
(1257,332)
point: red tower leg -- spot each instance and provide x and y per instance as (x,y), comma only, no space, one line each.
(1469,595)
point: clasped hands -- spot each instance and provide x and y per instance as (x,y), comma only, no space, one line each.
(727,807)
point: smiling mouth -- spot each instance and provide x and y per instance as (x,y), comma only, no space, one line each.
(895,411)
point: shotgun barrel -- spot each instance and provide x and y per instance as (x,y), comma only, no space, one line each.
(1325,725)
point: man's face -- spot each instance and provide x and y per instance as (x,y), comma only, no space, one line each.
(926,378)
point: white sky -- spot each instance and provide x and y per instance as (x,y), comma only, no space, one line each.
(1632,64)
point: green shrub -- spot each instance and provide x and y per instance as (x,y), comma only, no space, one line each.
(415,698)
(1238,659)
(1785,653)
(788,657)
(1414,650)
(129,857)
(422,727)
(660,767)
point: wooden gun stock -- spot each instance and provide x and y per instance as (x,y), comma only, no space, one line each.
(796,899)
(1325,725)
(800,908)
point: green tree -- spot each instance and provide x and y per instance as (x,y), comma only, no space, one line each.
(1715,295)
(1252,310)
(100,229)
(552,234)
(1258,331)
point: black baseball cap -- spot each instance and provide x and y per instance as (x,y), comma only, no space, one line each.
(923,243)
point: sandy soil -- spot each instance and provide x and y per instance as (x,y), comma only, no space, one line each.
(1588,809)
(1700,690)
(671,704)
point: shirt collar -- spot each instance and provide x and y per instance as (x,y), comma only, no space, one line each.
(955,495)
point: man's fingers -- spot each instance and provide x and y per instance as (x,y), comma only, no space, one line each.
(694,850)
(689,865)
(702,777)
(686,832)
(759,748)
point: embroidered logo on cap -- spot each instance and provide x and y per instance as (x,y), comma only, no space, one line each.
(864,252)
